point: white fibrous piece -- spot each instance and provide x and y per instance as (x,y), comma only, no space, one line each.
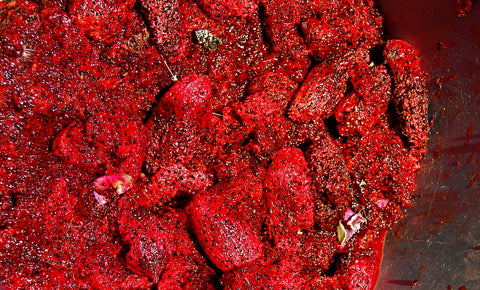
(348,214)
(100,198)
(353,222)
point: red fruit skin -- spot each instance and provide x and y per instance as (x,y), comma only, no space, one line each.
(226,238)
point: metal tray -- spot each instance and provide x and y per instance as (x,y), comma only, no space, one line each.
(437,244)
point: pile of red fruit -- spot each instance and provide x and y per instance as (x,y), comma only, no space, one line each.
(201,144)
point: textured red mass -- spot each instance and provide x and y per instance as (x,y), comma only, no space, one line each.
(262,113)
(342,26)
(190,98)
(410,94)
(256,275)
(376,159)
(289,197)
(463,7)
(322,90)
(178,126)
(363,107)
(106,139)
(219,9)
(226,237)
(282,19)
(167,22)
(160,248)
(102,20)
(135,156)
(329,171)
